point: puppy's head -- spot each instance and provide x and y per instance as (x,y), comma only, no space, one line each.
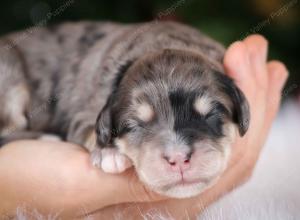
(175,117)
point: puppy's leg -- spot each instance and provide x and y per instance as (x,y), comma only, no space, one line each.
(14,93)
(109,159)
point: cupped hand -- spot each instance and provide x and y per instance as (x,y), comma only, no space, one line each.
(57,178)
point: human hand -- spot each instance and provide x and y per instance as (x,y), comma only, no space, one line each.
(57,178)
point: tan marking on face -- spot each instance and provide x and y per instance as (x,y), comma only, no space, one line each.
(121,144)
(136,93)
(90,142)
(145,112)
(203,105)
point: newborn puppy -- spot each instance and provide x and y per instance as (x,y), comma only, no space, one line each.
(165,105)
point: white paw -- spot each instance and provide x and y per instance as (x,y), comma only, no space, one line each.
(96,157)
(110,160)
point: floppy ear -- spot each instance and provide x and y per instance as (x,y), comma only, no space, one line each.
(104,125)
(241,113)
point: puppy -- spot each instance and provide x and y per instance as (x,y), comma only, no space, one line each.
(150,95)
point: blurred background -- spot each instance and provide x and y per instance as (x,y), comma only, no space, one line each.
(226,21)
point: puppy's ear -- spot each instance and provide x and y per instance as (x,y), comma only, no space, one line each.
(241,113)
(104,125)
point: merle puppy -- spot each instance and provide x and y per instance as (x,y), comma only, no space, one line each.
(153,95)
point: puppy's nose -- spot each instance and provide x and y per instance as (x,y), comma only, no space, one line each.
(178,161)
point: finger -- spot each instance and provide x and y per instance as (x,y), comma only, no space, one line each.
(237,66)
(236,62)
(278,75)
(257,47)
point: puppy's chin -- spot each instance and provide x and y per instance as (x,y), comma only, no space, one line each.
(186,190)
(198,179)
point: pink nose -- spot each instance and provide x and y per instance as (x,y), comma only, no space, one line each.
(178,162)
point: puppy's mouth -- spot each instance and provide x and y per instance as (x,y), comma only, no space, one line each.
(185,182)
(189,182)
(184,188)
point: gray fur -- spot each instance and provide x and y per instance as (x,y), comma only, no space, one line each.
(65,68)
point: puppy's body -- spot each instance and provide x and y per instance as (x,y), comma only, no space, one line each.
(69,69)
(58,79)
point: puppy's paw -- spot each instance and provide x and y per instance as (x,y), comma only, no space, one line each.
(110,160)
(96,157)
(113,161)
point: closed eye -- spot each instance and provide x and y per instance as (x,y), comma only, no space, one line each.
(215,123)
(138,125)
(214,118)
(218,110)
(213,115)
